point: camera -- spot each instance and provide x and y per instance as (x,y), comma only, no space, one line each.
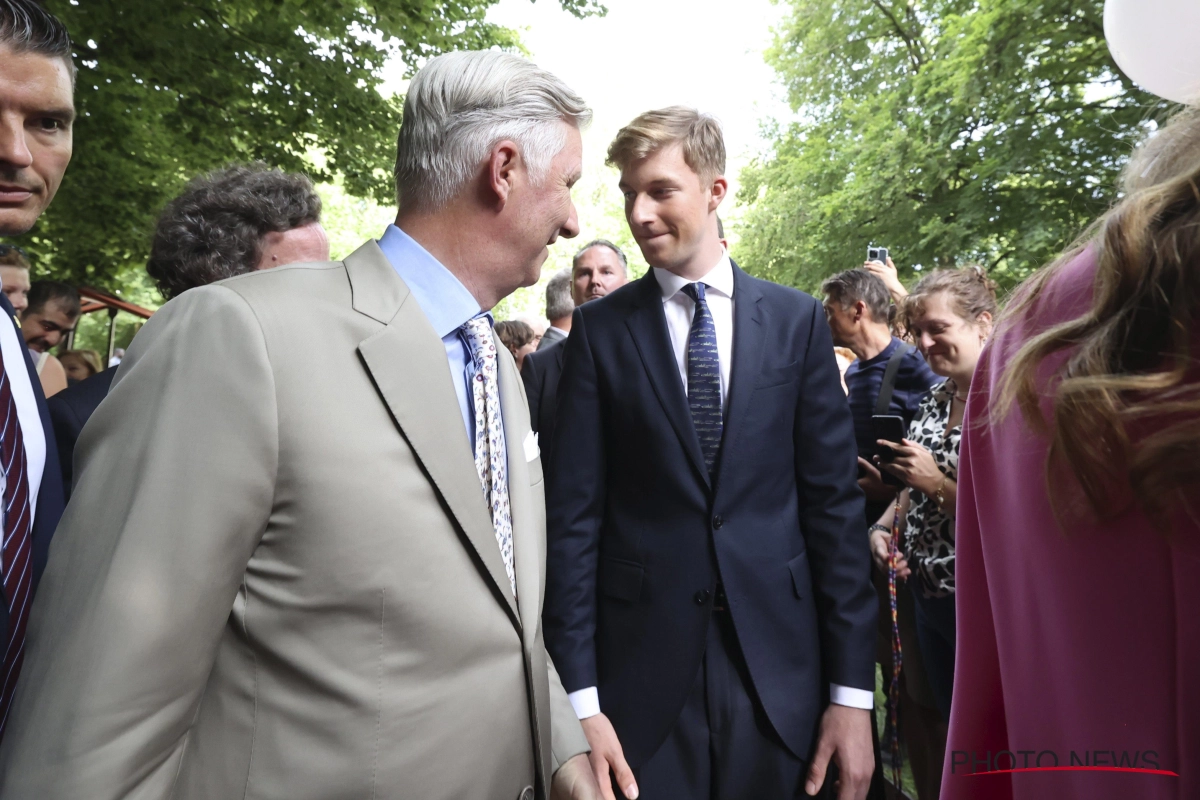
(879,254)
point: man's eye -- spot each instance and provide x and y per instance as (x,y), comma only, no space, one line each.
(50,124)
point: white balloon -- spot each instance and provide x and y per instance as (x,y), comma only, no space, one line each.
(1157,44)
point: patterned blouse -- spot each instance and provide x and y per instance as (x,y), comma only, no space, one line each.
(929,534)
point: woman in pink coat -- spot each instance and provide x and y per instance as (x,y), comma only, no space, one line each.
(1078,527)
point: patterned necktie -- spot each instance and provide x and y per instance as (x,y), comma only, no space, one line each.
(17,567)
(491,456)
(704,377)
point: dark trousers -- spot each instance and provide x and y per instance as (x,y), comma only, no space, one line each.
(723,747)
(935,632)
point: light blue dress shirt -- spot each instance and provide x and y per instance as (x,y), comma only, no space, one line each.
(447,305)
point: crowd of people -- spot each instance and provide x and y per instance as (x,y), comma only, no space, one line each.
(333,531)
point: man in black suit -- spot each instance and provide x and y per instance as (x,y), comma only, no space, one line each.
(37,111)
(709,604)
(597,269)
(228,222)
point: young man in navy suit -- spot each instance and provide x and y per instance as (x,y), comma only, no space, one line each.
(709,604)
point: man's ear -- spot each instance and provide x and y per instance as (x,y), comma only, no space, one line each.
(860,310)
(718,190)
(503,166)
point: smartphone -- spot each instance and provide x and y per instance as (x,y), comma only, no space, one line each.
(879,254)
(892,428)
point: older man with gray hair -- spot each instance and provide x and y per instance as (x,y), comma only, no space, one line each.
(559,308)
(598,268)
(304,555)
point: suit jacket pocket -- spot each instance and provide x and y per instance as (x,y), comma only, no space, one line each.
(620,579)
(801,577)
(777,376)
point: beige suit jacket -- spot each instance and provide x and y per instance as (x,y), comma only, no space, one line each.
(278,577)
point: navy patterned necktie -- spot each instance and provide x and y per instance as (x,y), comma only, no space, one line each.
(704,377)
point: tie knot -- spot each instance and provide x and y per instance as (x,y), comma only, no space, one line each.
(477,332)
(695,291)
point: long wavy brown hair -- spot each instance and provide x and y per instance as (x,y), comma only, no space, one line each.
(1125,427)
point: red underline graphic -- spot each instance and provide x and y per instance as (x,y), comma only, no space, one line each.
(1078,769)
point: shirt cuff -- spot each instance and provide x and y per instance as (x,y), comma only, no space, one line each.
(586,702)
(840,695)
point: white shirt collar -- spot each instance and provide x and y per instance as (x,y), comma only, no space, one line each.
(720,278)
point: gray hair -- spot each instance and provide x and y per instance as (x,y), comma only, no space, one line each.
(461,104)
(558,296)
(26,27)
(847,288)
(599,243)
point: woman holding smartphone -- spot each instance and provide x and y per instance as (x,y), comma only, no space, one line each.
(949,315)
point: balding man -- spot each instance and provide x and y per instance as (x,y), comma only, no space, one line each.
(597,269)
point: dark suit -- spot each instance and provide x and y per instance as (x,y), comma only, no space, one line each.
(70,410)
(50,495)
(640,536)
(551,336)
(540,373)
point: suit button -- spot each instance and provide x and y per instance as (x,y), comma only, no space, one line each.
(702,597)
(717,522)
(526,794)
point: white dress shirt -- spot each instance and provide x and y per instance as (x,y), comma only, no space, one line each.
(679,310)
(13,351)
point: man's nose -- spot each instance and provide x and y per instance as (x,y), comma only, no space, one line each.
(640,212)
(570,228)
(14,151)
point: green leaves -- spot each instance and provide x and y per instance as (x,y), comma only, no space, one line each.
(169,90)
(951,131)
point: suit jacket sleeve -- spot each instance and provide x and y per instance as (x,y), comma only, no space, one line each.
(177,472)
(574,513)
(566,734)
(531,376)
(831,514)
(66,425)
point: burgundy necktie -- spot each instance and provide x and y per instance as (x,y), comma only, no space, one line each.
(17,568)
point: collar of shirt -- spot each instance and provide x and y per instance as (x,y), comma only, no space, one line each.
(720,278)
(447,305)
(445,301)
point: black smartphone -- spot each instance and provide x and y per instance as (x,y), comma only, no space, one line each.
(879,254)
(892,428)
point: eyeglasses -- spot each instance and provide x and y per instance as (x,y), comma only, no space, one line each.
(5,249)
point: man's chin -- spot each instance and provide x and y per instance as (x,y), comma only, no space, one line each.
(16,220)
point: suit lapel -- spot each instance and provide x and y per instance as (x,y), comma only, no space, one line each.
(648,324)
(748,337)
(528,535)
(407,362)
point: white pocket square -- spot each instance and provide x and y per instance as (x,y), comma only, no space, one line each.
(532,450)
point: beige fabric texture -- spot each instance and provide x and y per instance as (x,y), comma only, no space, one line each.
(278,577)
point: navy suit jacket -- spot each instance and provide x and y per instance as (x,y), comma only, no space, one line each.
(639,535)
(540,373)
(70,410)
(50,495)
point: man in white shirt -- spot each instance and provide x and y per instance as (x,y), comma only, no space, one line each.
(37,110)
(704,498)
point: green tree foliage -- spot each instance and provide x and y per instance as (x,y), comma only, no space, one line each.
(952,131)
(168,90)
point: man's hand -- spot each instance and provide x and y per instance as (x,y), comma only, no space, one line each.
(845,737)
(872,483)
(575,781)
(890,277)
(607,755)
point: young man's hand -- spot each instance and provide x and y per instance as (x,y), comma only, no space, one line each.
(607,756)
(845,737)
(575,781)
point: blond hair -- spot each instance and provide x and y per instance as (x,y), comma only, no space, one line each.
(699,136)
